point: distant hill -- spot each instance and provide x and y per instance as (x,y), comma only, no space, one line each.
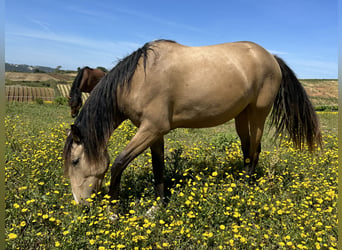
(9,67)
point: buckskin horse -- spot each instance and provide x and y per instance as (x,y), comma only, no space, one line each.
(85,81)
(165,85)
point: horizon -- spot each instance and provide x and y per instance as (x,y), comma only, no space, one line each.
(72,35)
(76,70)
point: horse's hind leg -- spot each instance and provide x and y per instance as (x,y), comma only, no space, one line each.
(242,129)
(257,120)
(249,126)
(157,151)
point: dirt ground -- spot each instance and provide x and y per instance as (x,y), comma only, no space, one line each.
(321,88)
(315,88)
(39,77)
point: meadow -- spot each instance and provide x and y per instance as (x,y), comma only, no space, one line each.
(291,205)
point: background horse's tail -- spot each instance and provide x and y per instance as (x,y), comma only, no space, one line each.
(293,111)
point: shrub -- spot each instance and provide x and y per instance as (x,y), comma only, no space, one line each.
(223,140)
(60,100)
(326,108)
(39,101)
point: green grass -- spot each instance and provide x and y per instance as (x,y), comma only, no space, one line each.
(291,205)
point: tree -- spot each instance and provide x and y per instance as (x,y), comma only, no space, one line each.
(103,69)
(58,69)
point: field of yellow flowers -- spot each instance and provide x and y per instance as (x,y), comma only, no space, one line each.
(292,204)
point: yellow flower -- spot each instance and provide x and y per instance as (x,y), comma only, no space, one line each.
(92,242)
(289,243)
(243,240)
(222,227)
(282,244)
(57,244)
(214,174)
(23,223)
(187,202)
(12,236)
(191,215)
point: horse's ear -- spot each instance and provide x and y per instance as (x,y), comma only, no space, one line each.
(76,134)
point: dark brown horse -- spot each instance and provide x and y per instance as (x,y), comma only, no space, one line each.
(165,85)
(85,81)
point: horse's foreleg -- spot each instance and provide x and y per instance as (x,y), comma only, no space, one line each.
(157,151)
(142,140)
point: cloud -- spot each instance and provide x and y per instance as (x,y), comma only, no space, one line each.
(86,12)
(45,48)
(158,20)
(277,52)
(85,42)
(44,25)
(312,68)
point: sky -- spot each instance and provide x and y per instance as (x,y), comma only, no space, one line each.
(78,33)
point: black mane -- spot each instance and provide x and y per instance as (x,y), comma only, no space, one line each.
(75,93)
(100,114)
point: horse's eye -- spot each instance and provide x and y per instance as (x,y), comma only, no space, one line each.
(75,162)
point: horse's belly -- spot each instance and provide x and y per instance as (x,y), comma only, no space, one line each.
(206,113)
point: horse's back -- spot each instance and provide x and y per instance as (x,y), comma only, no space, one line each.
(228,62)
(202,86)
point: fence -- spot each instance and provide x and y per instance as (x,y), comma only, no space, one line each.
(64,89)
(28,94)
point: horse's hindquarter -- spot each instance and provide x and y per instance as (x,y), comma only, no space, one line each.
(201,86)
(213,84)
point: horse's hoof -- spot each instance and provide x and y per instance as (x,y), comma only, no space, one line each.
(112,211)
(152,211)
(114,217)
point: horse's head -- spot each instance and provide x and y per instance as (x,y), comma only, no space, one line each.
(86,174)
(75,103)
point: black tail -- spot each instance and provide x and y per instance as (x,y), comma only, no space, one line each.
(293,111)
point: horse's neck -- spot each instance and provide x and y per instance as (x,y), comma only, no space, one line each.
(85,85)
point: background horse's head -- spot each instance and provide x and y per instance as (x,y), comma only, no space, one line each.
(86,174)
(85,81)
(75,102)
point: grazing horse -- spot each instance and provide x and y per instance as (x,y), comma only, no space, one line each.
(165,85)
(85,81)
